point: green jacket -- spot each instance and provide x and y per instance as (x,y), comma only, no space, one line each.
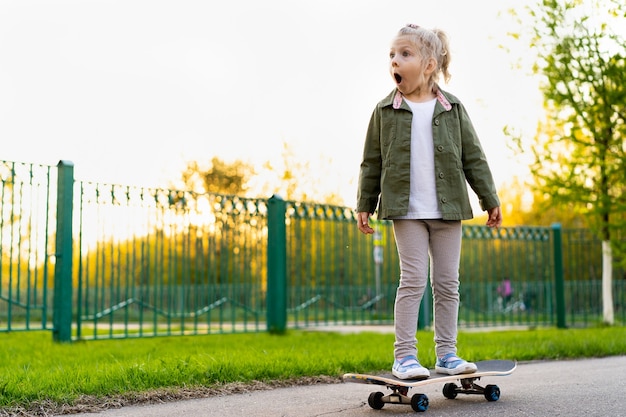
(459,159)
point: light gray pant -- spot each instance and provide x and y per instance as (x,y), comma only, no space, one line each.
(416,240)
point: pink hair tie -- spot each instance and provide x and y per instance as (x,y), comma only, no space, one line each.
(412,26)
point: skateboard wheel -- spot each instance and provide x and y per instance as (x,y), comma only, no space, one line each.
(375,400)
(419,402)
(492,393)
(450,390)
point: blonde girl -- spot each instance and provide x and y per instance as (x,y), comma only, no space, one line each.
(420,152)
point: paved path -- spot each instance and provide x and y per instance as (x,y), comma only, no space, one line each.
(589,388)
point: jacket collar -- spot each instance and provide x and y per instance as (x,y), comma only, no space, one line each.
(394,99)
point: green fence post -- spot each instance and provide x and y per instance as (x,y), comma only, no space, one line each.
(276,265)
(62,316)
(559,280)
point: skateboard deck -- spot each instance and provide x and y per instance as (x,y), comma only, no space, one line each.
(419,402)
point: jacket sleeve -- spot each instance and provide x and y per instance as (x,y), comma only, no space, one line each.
(371,167)
(475,166)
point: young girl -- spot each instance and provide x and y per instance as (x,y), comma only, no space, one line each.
(420,150)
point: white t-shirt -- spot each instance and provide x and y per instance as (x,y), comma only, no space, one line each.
(423,201)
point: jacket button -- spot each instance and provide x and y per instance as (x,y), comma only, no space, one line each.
(444,200)
(441,175)
(436,122)
(440,148)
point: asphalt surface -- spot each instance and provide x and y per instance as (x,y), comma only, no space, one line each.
(589,387)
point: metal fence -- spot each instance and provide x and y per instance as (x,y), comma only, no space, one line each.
(26,250)
(92,260)
(163,262)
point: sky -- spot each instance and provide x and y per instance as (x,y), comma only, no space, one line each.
(131,90)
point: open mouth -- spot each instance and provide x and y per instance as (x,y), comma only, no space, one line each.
(398,78)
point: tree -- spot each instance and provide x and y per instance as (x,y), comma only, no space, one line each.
(288,177)
(219,177)
(580,152)
(525,205)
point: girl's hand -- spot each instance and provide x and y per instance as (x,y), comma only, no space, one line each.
(495,217)
(363,223)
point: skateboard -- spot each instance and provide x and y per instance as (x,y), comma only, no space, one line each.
(419,402)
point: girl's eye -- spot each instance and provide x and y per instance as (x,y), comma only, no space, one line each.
(406,53)
(391,55)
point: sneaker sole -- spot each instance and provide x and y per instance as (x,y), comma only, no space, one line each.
(463,369)
(415,375)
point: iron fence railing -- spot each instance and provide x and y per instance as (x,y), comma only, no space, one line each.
(26,251)
(163,262)
(92,260)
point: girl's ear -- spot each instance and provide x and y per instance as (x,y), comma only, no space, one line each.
(431,65)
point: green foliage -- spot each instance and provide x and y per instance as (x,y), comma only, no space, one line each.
(579,157)
(579,153)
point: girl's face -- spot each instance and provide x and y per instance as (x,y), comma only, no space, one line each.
(408,69)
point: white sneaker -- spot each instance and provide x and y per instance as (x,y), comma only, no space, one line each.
(409,368)
(453,365)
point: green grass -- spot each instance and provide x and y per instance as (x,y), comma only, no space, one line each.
(34,370)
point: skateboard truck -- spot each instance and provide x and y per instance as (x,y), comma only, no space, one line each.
(468,387)
(399,395)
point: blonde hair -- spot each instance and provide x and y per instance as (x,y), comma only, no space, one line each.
(431,44)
